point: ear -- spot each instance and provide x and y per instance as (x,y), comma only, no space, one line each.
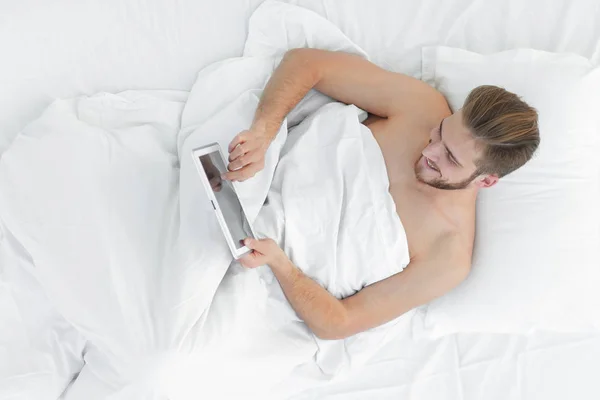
(487,181)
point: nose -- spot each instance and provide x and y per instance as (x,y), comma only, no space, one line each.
(431,152)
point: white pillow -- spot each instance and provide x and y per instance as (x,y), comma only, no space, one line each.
(536,263)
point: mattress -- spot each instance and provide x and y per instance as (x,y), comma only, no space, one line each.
(62,48)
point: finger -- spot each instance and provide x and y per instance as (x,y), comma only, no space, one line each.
(253,260)
(239,150)
(250,243)
(262,246)
(246,262)
(244,160)
(233,175)
(240,138)
(251,170)
(241,174)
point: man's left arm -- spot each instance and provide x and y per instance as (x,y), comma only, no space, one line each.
(421,281)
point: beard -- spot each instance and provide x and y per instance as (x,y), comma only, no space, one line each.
(444,184)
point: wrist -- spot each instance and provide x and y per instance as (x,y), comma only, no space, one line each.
(282,265)
(265,128)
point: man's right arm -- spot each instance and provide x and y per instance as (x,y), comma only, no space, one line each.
(345,77)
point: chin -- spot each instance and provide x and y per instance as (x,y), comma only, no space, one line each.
(424,175)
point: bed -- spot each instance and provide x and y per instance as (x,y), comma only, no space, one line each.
(63,49)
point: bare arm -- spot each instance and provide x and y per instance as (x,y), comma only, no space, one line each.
(345,77)
(342,76)
(330,318)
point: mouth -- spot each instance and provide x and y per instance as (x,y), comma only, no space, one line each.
(430,164)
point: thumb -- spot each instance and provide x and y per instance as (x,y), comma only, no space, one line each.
(254,244)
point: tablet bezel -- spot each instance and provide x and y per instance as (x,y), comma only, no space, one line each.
(196,154)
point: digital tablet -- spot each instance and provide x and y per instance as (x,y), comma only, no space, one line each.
(211,163)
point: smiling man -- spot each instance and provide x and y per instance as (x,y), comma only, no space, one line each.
(436,163)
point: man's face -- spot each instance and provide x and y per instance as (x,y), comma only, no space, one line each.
(448,161)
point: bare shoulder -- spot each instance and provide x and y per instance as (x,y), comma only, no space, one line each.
(430,94)
(424,104)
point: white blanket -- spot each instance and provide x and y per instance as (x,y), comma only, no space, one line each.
(103,195)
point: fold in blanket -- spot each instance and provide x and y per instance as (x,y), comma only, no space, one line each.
(103,194)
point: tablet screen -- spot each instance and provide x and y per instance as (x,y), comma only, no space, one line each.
(229,203)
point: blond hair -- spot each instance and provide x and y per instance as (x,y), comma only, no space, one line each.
(504,126)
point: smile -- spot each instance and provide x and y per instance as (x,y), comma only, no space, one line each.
(430,164)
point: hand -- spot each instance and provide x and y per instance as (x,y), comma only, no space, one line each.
(247,154)
(264,251)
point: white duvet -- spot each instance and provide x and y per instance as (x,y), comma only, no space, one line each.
(102,194)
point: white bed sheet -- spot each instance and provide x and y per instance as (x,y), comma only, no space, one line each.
(39,350)
(64,48)
(545,366)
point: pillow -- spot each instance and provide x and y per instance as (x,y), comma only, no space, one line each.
(536,264)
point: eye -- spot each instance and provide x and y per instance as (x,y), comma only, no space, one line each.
(450,159)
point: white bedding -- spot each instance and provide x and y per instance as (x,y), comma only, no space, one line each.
(474,367)
(130,233)
(392,32)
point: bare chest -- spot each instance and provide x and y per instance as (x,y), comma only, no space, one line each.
(425,214)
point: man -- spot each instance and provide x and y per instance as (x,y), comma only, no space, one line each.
(436,163)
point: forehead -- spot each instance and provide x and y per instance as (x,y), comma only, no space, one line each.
(459,139)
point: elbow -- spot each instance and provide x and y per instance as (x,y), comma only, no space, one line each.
(298,55)
(307,59)
(330,335)
(298,52)
(336,329)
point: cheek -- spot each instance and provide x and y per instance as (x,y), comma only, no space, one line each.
(461,174)
(442,161)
